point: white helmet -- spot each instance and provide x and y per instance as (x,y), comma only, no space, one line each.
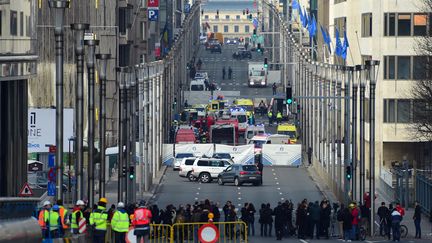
(120,205)
(80,203)
(46,203)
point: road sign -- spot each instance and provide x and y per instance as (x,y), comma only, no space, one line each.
(153,14)
(153,3)
(51,175)
(187,8)
(51,188)
(52,149)
(25,191)
(208,233)
(51,160)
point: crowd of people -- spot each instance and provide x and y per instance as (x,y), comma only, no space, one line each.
(308,220)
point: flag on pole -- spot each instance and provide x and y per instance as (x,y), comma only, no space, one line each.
(345,46)
(312,27)
(339,47)
(326,37)
(302,17)
(295,4)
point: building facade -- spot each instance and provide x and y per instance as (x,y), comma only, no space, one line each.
(388,31)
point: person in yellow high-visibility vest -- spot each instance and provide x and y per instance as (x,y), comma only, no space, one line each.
(76,216)
(43,214)
(120,223)
(53,222)
(279,117)
(98,220)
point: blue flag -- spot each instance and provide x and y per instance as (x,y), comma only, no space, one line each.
(306,18)
(345,46)
(302,17)
(339,47)
(326,37)
(312,27)
(295,4)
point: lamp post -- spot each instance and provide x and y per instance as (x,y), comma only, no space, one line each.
(362,79)
(347,142)
(338,100)
(69,173)
(354,131)
(139,70)
(372,66)
(59,7)
(103,61)
(79,107)
(121,159)
(91,44)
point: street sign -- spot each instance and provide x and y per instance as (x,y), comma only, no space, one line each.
(52,149)
(187,8)
(25,191)
(153,3)
(51,160)
(153,14)
(51,175)
(208,233)
(51,188)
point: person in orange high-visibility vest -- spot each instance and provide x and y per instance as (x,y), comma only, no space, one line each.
(141,219)
(63,215)
(43,213)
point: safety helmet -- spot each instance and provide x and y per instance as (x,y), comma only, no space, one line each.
(80,203)
(56,207)
(120,205)
(46,203)
(103,200)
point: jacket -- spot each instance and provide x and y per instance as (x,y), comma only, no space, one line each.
(43,213)
(141,217)
(347,219)
(120,221)
(99,218)
(75,217)
(355,215)
(396,216)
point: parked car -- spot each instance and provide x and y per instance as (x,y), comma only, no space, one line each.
(216,48)
(222,156)
(240,174)
(207,169)
(178,159)
(186,168)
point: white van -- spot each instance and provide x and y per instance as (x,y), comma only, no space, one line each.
(197,85)
(253,130)
(207,169)
(240,114)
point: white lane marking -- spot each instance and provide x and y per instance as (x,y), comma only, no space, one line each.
(239,198)
(280,193)
(197,193)
(199,188)
(196,199)
(239,205)
(238,188)
(282,198)
(277,183)
(239,193)
(278,188)
(303,241)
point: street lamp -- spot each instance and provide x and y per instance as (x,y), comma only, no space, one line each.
(347,151)
(71,139)
(91,44)
(372,66)
(362,80)
(59,7)
(103,61)
(79,107)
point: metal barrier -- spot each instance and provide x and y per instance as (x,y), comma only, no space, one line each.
(161,233)
(228,232)
(423,192)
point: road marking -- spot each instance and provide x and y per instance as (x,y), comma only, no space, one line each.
(282,198)
(239,193)
(238,188)
(199,188)
(275,178)
(303,241)
(278,188)
(239,205)
(274,174)
(277,183)
(196,199)
(239,198)
(280,193)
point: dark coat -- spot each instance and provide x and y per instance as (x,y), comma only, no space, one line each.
(279,216)
(346,219)
(325,216)
(315,212)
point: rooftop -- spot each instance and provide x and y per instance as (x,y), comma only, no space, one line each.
(227,5)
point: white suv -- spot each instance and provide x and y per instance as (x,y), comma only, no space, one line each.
(206,169)
(186,168)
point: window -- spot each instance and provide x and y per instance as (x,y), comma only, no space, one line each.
(389,110)
(217,17)
(1,22)
(13,23)
(340,24)
(389,67)
(206,17)
(27,26)
(215,28)
(237,17)
(367,25)
(225,28)
(142,32)
(404,24)
(403,67)
(227,17)
(419,67)
(123,19)
(236,28)
(339,1)
(389,24)
(403,111)
(420,21)
(203,163)
(142,58)
(21,23)
(247,29)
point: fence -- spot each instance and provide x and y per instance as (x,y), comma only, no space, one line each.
(423,188)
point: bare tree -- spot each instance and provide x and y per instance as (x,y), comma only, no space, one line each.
(422,91)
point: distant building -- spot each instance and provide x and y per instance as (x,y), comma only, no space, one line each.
(17,65)
(229,18)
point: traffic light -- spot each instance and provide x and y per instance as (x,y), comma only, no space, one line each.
(259,47)
(250,16)
(124,171)
(247,11)
(202,12)
(254,33)
(265,62)
(288,92)
(244,12)
(131,172)
(348,173)
(298,108)
(217,12)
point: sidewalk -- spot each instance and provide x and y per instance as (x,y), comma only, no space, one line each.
(111,187)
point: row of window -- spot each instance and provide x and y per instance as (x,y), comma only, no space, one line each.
(227,17)
(402,110)
(13,21)
(395,24)
(405,67)
(236,28)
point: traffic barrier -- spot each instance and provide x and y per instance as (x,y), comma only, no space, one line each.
(203,232)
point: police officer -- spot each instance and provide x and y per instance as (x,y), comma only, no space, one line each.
(270,117)
(53,222)
(76,216)
(279,117)
(43,214)
(98,220)
(120,223)
(141,219)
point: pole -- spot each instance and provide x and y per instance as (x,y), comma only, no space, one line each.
(354,137)
(79,108)
(69,172)
(339,127)
(127,136)
(146,128)
(91,117)
(121,158)
(347,143)
(140,72)
(133,135)
(59,9)
(362,134)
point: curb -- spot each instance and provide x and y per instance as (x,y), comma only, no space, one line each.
(155,187)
